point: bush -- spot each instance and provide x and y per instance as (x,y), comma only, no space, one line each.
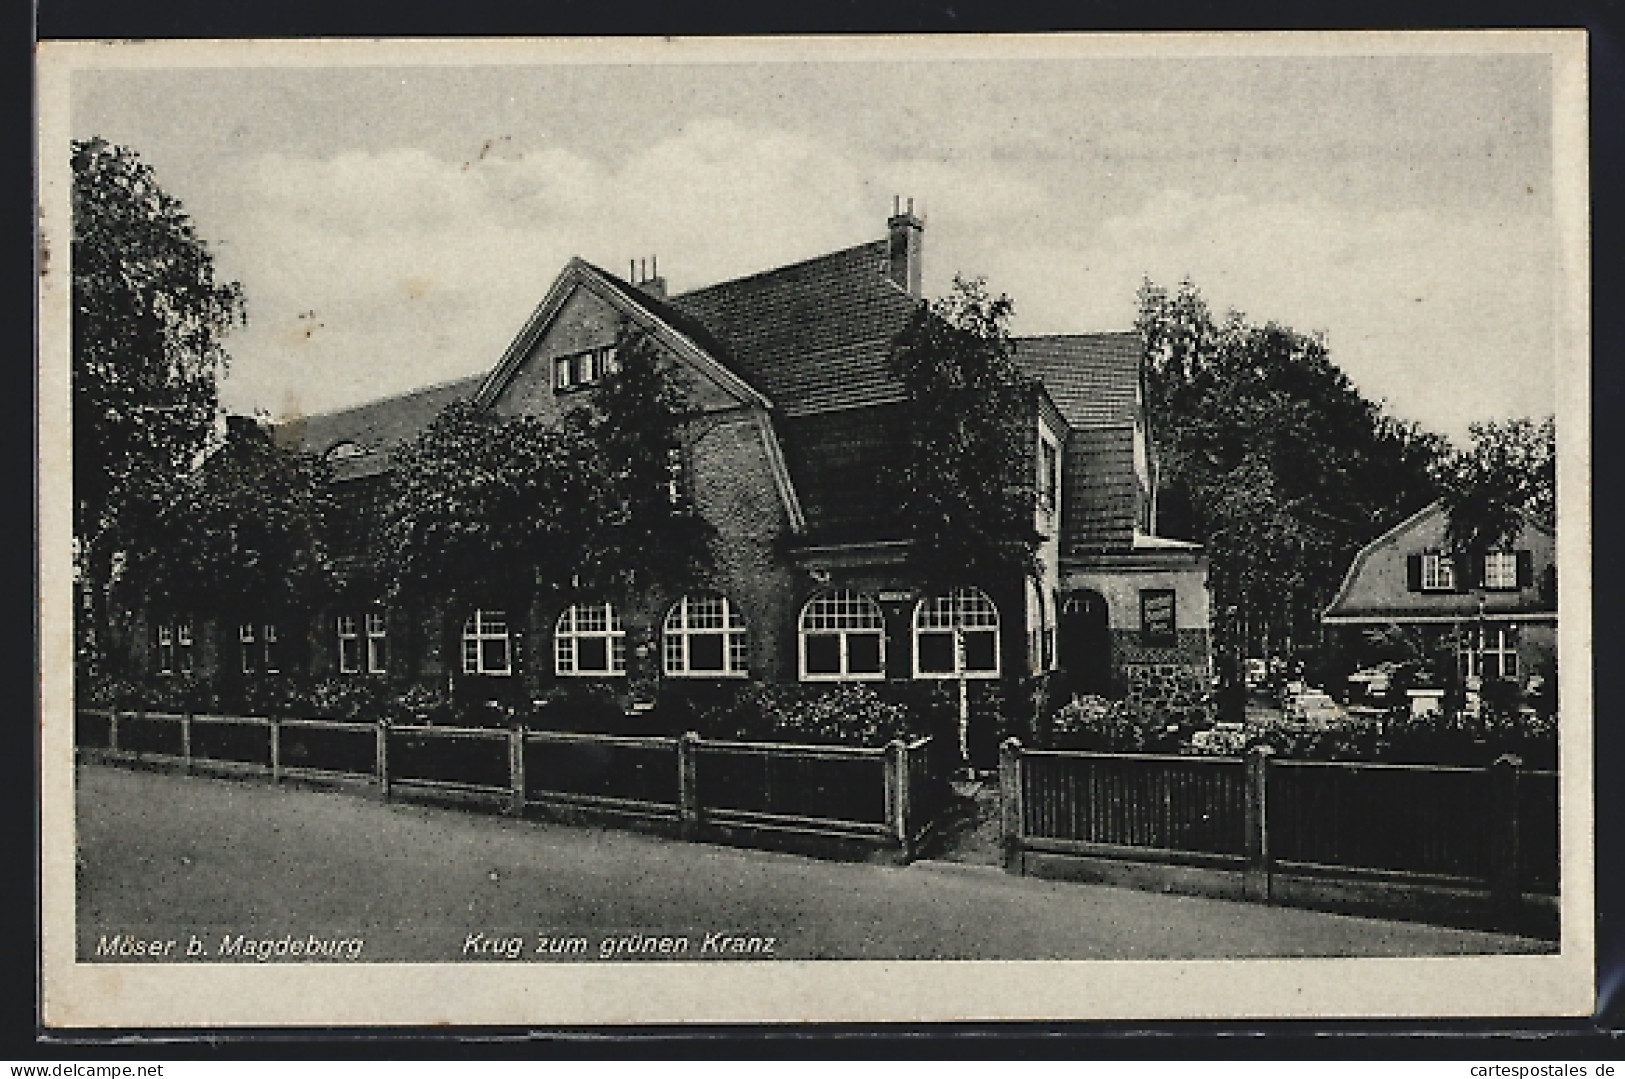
(420,703)
(852,714)
(584,705)
(361,700)
(1096,724)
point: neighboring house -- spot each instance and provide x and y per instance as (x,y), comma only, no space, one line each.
(1498,611)
(796,417)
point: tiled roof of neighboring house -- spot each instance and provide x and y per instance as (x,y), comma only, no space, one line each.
(1092,378)
(376,425)
(813,336)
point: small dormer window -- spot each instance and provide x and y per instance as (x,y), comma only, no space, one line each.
(584,368)
(341,450)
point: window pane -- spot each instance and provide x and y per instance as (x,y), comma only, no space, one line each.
(349,655)
(863,653)
(471,656)
(494,654)
(705,652)
(375,655)
(736,652)
(592,654)
(823,654)
(561,372)
(936,653)
(981,650)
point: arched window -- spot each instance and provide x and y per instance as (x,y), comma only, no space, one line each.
(485,643)
(843,636)
(956,634)
(589,641)
(705,638)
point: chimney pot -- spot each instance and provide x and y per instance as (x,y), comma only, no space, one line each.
(903,249)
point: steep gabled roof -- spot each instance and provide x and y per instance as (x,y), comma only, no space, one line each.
(1093,378)
(815,336)
(676,332)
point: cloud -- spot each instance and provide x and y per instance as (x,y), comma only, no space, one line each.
(371,273)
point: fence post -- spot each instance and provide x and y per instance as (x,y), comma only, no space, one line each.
(896,770)
(1506,887)
(186,742)
(688,791)
(112,731)
(383,758)
(516,771)
(274,725)
(1256,877)
(1012,816)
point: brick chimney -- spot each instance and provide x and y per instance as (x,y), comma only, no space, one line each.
(903,249)
(646,276)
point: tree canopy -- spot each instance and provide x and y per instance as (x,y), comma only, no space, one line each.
(483,502)
(240,532)
(148,320)
(1507,472)
(1270,457)
(966,486)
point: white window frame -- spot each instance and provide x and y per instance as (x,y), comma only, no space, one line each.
(584,368)
(568,633)
(246,639)
(269,664)
(957,611)
(1498,640)
(1501,570)
(376,629)
(165,641)
(486,624)
(1438,572)
(183,646)
(348,635)
(861,615)
(678,632)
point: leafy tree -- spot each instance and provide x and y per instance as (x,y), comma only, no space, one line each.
(485,503)
(477,501)
(1509,471)
(240,532)
(148,319)
(645,528)
(966,485)
(1270,457)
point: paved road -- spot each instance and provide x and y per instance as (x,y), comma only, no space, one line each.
(170,856)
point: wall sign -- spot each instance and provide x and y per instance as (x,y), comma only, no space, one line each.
(1157,617)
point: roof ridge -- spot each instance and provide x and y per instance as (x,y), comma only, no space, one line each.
(827,256)
(371,401)
(1073,336)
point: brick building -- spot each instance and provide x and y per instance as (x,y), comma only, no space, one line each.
(796,413)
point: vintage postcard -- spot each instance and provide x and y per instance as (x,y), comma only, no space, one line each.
(543,532)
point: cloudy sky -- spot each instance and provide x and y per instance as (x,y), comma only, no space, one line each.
(394,226)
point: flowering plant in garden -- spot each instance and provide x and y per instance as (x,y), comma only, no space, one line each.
(844,714)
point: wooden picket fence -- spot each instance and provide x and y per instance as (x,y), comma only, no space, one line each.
(1267,824)
(888,797)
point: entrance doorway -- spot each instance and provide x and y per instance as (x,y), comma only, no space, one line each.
(1085,645)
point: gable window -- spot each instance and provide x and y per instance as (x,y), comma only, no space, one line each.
(956,634)
(705,638)
(584,368)
(1438,572)
(486,648)
(589,640)
(259,648)
(843,636)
